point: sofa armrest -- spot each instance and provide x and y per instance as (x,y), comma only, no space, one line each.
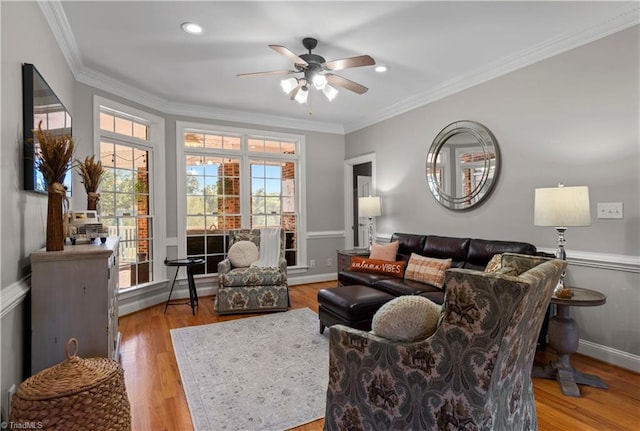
(224,267)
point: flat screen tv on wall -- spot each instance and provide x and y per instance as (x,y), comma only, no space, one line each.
(40,104)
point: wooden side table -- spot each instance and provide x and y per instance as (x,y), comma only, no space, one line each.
(563,338)
(344,257)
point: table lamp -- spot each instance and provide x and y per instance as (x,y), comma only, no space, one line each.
(562,207)
(370,207)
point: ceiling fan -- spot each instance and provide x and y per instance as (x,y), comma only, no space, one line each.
(316,71)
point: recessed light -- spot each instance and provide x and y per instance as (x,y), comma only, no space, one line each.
(191,28)
(381,68)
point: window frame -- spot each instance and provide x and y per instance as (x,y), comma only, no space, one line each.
(245,155)
(155,145)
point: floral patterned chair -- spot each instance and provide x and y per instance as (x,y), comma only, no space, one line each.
(252,289)
(473,372)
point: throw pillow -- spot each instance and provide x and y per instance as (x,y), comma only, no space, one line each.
(494,264)
(406,318)
(384,251)
(376,266)
(427,270)
(243,253)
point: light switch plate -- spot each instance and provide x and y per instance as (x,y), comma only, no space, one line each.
(610,210)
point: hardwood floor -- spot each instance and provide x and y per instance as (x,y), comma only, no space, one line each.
(158,401)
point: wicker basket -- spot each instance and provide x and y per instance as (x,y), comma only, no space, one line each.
(77,394)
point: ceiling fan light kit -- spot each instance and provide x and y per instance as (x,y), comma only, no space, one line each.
(289,84)
(315,70)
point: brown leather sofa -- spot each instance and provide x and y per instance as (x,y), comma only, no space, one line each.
(360,306)
(364,293)
(465,253)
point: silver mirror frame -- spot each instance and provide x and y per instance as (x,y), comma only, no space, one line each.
(489,145)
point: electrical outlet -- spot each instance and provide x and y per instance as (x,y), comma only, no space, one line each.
(610,210)
(329,261)
(312,263)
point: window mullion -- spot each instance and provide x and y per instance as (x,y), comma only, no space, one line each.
(245,191)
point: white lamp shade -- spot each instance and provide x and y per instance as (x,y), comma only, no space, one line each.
(319,81)
(562,207)
(288,84)
(302,95)
(370,206)
(330,92)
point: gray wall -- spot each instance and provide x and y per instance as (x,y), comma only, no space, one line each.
(26,38)
(24,213)
(573,118)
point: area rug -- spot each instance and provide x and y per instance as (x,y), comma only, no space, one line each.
(258,373)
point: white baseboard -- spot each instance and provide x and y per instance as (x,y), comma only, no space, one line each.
(319,278)
(137,301)
(610,355)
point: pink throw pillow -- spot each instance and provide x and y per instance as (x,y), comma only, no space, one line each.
(386,252)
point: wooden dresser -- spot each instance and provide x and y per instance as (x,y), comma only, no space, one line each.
(74,293)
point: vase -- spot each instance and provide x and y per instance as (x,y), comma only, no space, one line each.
(92,201)
(55,226)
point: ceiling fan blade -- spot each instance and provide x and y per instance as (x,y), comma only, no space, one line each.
(339,81)
(290,55)
(346,63)
(270,73)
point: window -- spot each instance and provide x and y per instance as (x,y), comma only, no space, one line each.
(238,179)
(128,202)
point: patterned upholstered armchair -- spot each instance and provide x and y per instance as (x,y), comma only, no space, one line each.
(474,372)
(252,289)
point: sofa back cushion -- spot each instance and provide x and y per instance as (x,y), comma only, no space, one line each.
(408,243)
(463,252)
(445,247)
(481,251)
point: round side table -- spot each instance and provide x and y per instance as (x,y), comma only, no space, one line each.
(193,293)
(563,338)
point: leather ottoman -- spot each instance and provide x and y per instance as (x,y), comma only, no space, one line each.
(353,306)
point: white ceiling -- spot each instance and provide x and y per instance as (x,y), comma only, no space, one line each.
(137,50)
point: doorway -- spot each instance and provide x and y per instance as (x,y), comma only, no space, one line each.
(359,182)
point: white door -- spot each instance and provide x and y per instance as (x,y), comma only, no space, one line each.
(364,190)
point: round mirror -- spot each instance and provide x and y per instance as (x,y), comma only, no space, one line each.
(462,165)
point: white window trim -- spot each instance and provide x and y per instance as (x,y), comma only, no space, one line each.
(182,126)
(158,189)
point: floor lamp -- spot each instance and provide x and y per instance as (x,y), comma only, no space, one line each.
(562,207)
(370,207)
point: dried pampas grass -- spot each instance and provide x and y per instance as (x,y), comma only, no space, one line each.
(91,172)
(56,153)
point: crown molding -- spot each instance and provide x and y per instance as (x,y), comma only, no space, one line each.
(628,17)
(57,20)
(103,82)
(256,118)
